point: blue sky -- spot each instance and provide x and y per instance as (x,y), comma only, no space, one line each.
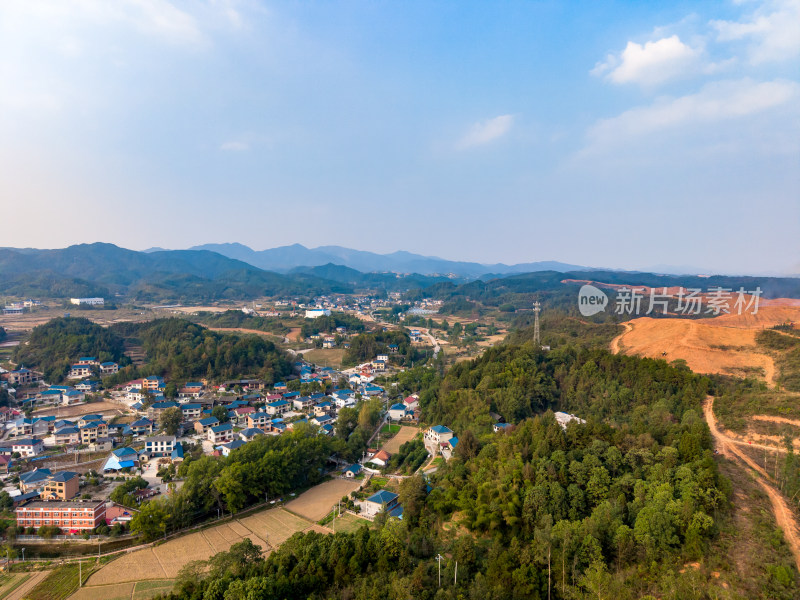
(618,134)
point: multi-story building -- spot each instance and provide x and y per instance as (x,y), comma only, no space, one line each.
(70,516)
(61,486)
(160,445)
(220,433)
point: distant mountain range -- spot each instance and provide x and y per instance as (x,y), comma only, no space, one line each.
(286,258)
(235,272)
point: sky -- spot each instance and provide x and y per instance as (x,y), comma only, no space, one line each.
(629,135)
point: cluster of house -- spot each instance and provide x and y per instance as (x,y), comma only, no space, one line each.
(407,410)
(89,365)
(34,434)
(17,308)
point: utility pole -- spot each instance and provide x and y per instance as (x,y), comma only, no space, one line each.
(455,576)
(439,558)
(80,574)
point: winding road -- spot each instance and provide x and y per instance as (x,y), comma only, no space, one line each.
(728,448)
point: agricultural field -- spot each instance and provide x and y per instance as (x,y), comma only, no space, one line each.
(317,502)
(153,569)
(405,434)
(327,357)
(11,582)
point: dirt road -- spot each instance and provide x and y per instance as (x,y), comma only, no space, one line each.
(783,514)
(615,341)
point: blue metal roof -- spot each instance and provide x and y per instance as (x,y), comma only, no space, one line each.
(382,497)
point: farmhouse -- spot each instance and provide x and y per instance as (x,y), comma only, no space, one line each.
(61,486)
(438,434)
(160,445)
(380,501)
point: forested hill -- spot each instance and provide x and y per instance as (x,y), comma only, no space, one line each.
(614,508)
(520,381)
(59,343)
(174,348)
(175,275)
(181,350)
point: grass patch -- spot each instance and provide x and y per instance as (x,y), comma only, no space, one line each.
(392,429)
(348,523)
(326,357)
(147,589)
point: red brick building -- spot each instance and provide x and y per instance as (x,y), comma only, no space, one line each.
(71,517)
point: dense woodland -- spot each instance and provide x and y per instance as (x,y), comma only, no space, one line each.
(327,324)
(59,343)
(609,509)
(181,351)
(367,346)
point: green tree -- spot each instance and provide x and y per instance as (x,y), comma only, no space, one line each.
(170,420)
(220,413)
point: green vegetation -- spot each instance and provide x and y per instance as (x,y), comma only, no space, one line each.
(410,457)
(62,582)
(238,319)
(181,351)
(785,349)
(57,344)
(122,493)
(367,346)
(267,466)
(327,324)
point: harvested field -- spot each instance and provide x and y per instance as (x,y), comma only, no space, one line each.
(176,553)
(105,592)
(77,410)
(275,526)
(405,434)
(145,590)
(317,502)
(135,566)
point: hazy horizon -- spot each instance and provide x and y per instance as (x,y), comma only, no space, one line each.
(637,134)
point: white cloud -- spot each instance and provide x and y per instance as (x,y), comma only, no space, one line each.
(715,102)
(649,64)
(487,131)
(773,31)
(234,146)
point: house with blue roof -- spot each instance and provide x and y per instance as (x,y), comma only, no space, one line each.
(87,385)
(383,500)
(177,453)
(229,447)
(142,426)
(220,434)
(67,435)
(191,410)
(203,425)
(352,471)
(278,407)
(248,434)
(121,458)
(155,410)
(323,420)
(397,412)
(437,434)
(497,427)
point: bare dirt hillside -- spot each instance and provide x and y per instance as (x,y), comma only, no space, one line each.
(725,344)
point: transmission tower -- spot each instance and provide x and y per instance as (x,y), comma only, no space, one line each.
(537,306)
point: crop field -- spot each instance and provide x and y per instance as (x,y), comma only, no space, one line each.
(317,502)
(405,434)
(275,526)
(148,566)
